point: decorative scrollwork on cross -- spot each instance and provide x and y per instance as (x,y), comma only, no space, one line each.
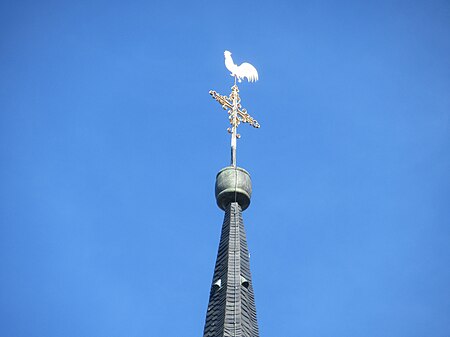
(236,115)
(227,104)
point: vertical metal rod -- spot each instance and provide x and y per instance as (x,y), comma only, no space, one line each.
(234,127)
(234,92)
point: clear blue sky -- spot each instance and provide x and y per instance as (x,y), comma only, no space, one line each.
(110,143)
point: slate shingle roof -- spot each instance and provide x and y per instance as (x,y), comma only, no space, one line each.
(231,308)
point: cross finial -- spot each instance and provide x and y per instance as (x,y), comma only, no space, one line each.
(236,114)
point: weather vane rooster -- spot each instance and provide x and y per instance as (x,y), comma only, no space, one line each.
(232,103)
(239,72)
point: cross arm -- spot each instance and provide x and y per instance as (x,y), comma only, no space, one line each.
(246,118)
(223,100)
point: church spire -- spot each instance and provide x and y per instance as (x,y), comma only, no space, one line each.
(231,308)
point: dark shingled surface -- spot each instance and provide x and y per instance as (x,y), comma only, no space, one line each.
(231,308)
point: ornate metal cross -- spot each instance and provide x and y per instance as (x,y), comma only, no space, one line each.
(236,115)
